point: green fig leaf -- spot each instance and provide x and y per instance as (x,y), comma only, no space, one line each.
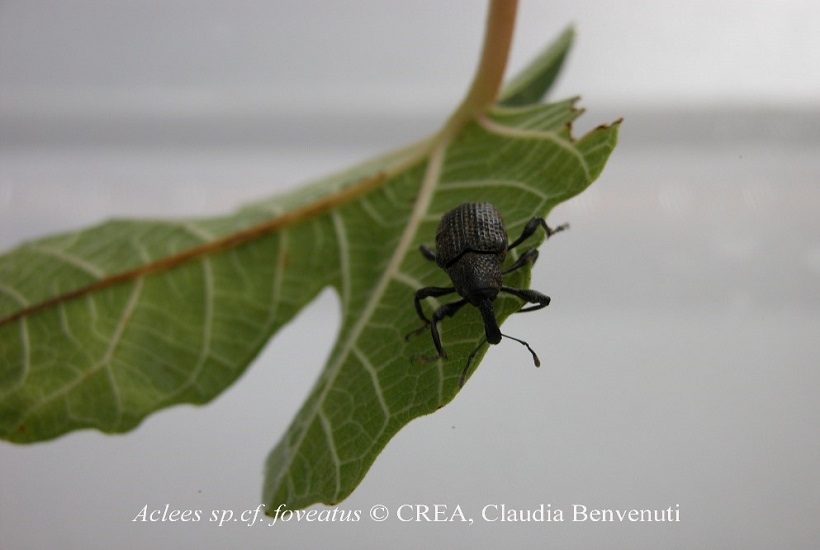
(102,327)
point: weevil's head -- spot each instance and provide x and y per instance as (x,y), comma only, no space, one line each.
(476,277)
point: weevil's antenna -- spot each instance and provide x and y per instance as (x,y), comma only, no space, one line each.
(535,358)
(463,378)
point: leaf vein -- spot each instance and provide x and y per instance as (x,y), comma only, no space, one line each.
(518,133)
(115,339)
(327,428)
(374,377)
(69,259)
(207,325)
(512,184)
(344,257)
(405,279)
(16,296)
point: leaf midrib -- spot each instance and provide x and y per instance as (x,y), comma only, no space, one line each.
(423,199)
(234,239)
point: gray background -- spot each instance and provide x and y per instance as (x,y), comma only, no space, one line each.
(680,350)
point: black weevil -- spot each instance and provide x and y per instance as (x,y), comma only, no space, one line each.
(471,245)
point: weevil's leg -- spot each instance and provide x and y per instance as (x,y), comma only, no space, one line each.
(421,294)
(469,361)
(527,257)
(530,228)
(446,310)
(534,297)
(427,292)
(427,253)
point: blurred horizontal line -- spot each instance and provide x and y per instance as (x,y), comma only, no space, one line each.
(647,127)
(230,131)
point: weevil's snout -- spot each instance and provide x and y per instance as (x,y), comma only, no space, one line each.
(491,329)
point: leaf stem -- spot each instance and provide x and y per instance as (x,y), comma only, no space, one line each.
(490,73)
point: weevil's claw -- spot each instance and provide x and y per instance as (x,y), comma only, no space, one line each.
(552,231)
(425,359)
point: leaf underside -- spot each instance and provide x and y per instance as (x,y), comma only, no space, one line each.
(105,355)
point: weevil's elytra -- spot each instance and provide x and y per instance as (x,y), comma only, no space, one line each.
(472,227)
(471,245)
